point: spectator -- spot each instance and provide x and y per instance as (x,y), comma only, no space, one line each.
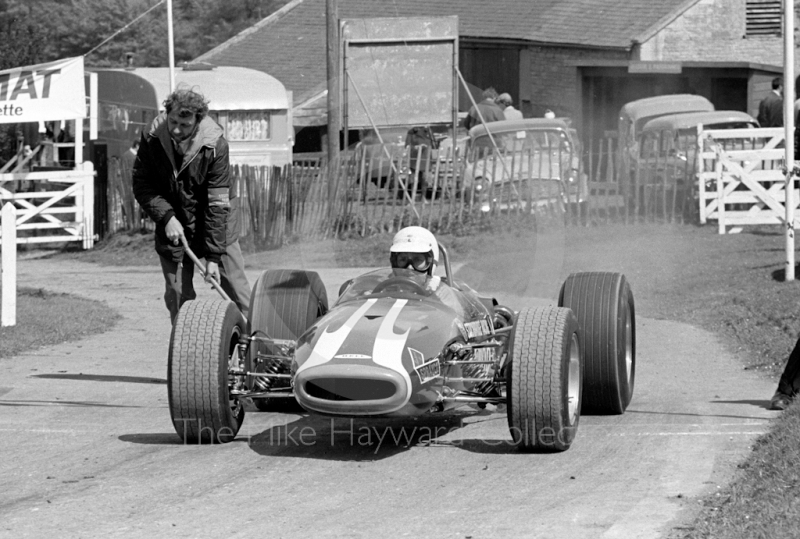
(129,157)
(181,178)
(770,110)
(506,103)
(796,117)
(789,384)
(66,155)
(131,216)
(488,109)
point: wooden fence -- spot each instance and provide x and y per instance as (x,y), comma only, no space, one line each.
(384,188)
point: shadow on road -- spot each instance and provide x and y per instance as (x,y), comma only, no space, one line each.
(65,403)
(327,438)
(102,378)
(154,438)
(765,404)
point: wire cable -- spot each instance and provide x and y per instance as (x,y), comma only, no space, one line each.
(115,34)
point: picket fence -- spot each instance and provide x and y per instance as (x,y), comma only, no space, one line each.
(383,190)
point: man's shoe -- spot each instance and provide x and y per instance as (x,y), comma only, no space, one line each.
(780,401)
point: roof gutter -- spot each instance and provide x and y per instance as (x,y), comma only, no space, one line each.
(472,40)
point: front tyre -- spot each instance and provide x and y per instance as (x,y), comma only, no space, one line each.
(603,305)
(544,380)
(203,343)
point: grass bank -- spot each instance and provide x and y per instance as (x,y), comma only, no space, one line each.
(45,318)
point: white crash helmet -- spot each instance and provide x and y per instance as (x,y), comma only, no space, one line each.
(416,239)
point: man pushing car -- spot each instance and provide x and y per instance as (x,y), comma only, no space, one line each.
(181,178)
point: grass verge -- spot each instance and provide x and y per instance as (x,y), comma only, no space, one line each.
(45,318)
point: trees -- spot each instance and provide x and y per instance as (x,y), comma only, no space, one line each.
(51,29)
(37,31)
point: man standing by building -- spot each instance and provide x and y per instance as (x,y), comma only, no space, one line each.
(488,109)
(770,110)
(181,178)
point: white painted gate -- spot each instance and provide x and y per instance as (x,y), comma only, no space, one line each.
(52,206)
(740,177)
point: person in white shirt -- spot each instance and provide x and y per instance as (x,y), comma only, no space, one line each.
(506,103)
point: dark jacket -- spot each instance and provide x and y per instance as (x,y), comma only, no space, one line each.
(770,111)
(490,111)
(194,189)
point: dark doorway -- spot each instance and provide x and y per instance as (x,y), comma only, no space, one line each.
(728,93)
(496,67)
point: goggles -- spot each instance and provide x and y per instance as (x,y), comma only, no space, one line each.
(419,261)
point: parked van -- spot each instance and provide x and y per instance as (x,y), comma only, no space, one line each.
(668,150)
(634,115)
(670,142)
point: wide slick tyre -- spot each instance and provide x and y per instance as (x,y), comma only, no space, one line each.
(543,381)
(283,305)
(202,345)
(603,304)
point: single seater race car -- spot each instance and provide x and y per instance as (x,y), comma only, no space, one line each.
(398,344)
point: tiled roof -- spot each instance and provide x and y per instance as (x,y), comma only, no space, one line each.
(290,44)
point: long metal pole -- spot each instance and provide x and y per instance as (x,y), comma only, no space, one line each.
(171,40)
(332,14)
(788,122)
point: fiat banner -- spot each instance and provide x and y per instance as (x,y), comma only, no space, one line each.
(43,92)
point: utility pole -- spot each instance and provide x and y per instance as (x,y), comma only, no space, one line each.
(332,14)
(171,47)
(788,122)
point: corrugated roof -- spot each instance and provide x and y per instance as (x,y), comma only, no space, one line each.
(290,43)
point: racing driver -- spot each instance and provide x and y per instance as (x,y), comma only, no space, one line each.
(415,248)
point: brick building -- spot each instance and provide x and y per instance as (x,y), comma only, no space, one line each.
(582,58)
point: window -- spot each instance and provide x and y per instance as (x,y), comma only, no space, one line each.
(248,125)
(764,18)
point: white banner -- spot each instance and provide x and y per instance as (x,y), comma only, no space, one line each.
(43,92)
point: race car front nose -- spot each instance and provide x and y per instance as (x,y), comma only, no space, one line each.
(350,389)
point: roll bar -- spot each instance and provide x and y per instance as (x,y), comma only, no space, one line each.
(448,272)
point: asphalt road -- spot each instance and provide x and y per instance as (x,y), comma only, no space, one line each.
(89,450)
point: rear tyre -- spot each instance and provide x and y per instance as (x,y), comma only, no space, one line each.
(603,305)
(202,345)
(543,383)
(283,305)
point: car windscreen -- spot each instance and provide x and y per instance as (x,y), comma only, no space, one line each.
(386,282)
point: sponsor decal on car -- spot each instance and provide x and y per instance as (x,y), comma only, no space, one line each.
(478,328)
(461,329)
(426,371)
(483,354)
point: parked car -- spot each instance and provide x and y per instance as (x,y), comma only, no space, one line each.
(509,163)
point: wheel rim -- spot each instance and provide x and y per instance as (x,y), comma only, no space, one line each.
(628,346)
(574,387)
(233,363)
